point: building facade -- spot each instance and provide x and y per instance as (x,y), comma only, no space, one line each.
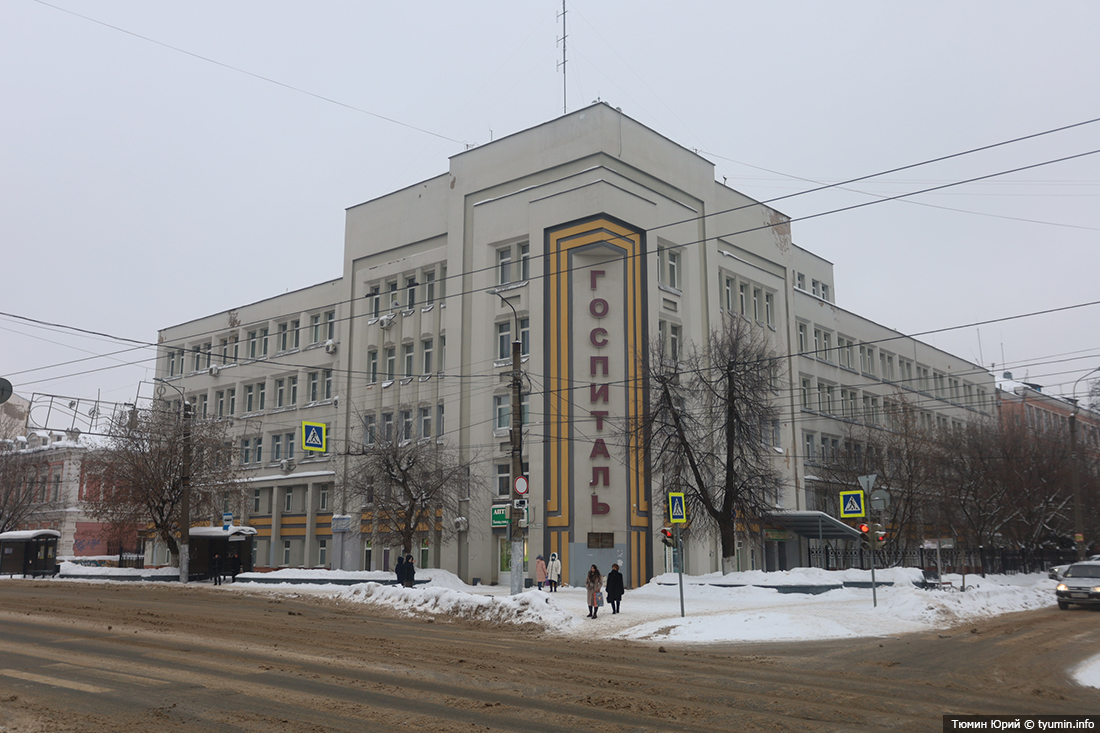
(585,239)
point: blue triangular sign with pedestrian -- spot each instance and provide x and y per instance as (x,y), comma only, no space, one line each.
(313,436)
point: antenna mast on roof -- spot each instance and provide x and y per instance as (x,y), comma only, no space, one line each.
(561,65)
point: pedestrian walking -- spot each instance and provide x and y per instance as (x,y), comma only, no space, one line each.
(593,583)
(614,588)
(540,571)
(216,567)
(410,571)
(553,572)
(399,570)
(235,565)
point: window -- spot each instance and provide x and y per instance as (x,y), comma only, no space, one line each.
(256,501)
(292,388)
(253,344)
(288,500)
(805,393)
(727,292)
(674,333)
(817,343)
(314,387)
(370,429)
(219,399)
(742,298)
(286,552)
(322,552)
(866,359)
(277,448)
(502,411)
(844,351)
(426,347)
(372,366)
(406,425)
(808,447)
(322,498)
(330,325)
(504,479)
(673,269)
(504,265)
(410,292)
(756,304)
(246,451)
(524,261)
(816,286)
(261,395)
(769,309)
(800,281)
(601,540)
(327,380)
(425,422)
(429,287)
(315,329)
(803,337)
(525,336)
(258,449)
(387,426)
(280,392)
(442,353)
(232,393)
(375,301)
(391,363)
(824,291)
(439,419)
(408,351)
(249,390)
(504,340)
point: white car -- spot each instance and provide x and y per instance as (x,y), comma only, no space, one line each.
(1080,584)
(1057,571)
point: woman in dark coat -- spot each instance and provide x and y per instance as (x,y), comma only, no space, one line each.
(399,570)
(410,571)
(614,588)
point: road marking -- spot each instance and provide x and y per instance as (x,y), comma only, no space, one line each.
(53,681)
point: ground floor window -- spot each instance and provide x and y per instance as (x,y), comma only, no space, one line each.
(366,557)
(424,552)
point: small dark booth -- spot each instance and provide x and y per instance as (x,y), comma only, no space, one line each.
(209,541)
(29,552)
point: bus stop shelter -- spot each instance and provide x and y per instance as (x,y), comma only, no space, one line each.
(30,552)
(206,542)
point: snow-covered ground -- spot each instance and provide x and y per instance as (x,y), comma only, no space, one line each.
(714,610)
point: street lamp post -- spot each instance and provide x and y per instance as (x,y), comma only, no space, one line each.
(185,487)
(1075,471)
(515,529)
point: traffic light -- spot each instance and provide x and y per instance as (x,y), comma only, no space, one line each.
(879,538)
(865,535)
(666,537)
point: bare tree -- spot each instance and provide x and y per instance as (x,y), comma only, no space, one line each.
(895,447)
(411,488)
(137,478)
(24,488)
(710,429)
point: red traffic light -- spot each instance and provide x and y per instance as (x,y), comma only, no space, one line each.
(666,536)
(864,527)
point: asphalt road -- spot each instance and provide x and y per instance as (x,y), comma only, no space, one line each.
(94,657)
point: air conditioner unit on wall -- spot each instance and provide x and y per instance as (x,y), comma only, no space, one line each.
(386,322)
(214,370)
(330,347)
(287,464)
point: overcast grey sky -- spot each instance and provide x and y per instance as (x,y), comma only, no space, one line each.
(164,161)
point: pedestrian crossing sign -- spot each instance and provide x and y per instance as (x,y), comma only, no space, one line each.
(852,504)
(314,436)
(677,513)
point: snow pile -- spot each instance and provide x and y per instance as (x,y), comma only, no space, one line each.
(533,607)
(1088,674)
(72,569)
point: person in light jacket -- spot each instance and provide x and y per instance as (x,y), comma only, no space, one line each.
(540,571)
(553,572)
(593,583)
(614,588)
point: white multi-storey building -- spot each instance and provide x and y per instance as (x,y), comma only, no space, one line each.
(583,238)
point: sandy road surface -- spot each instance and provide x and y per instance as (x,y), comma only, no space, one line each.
(94,657)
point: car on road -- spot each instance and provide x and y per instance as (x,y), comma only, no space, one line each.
(1056,571)
(1080,584)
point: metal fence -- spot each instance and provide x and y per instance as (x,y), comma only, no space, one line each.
(129,558)
(996,560)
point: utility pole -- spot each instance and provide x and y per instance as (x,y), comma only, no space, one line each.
(515,528)
(185,496)
(564,100)
(1075,472)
